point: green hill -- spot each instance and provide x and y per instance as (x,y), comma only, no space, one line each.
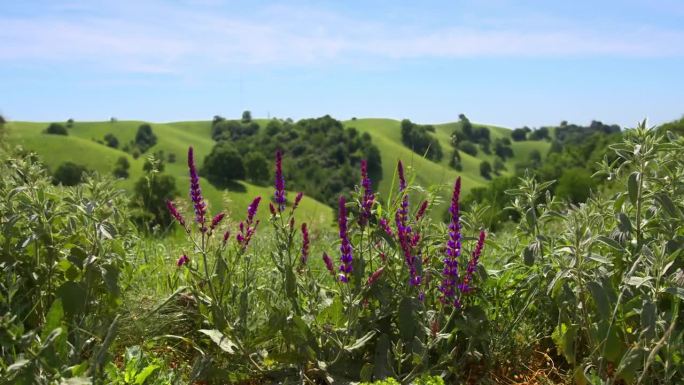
(81,147)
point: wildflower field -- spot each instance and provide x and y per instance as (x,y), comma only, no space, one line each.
(392,292)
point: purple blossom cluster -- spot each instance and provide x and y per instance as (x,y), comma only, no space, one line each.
(176,215)
(196,193)
(279,182)
(421,210)
(329,263)
(453,251)
(305,244)
(215,221)
(472,264)
(407,240)
(345,246)
(248,227)
(182,260)
(368,196)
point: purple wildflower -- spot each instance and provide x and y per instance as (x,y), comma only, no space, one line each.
(402,179)
(345,246)
(375,276)
(182,260)
(453,250)
(472,264)
(368,196)
(216,220)
(385,227)
(248,227)
(298,198)
(196,193)
(305,244)
(272,208)
(421,210)
(404,232)
(175,214)
(226,236)
(328,263)
(279,182)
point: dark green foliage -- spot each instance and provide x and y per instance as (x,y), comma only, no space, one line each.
(2,120)
(111,140)
(575,134)
(466,126)
(520,134)
(499,166)
(70,123)
(56,129)
(223,165)
(61,253)
(121,167)
(321,156)
(541,133)
(676,127)
(575,185)
(222,129)
(69,174)
(486,169)
(257,167)
(145,138)
(149,201)
(246,117)
(171,158)
(455,160)
(468,147)
(417,137)
(502,148)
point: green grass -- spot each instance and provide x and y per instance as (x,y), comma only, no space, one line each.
(175,137)
(79,147)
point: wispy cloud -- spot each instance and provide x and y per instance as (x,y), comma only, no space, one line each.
(181,38)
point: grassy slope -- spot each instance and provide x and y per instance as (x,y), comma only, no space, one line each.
(386,135)
(175,137)
(172,138)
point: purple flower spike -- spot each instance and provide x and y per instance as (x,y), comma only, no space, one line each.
(402,178)
(217,219)
(248,228)
(305,244)
(279,182)
(368,196)
(385,227)
(421,210)
(175,214)
(375,276)
(182,260)
(329,263)
(453,250)
(298,199)
(345,246)
(472,264)
(196,193)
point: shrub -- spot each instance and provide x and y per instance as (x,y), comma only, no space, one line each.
(121,167)
(56,129)
(486,169)
(468,147)
(145,138)
(575,185)
(257,167)
(69,174)
(223,165)
(111,140)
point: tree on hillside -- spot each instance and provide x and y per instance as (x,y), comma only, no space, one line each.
(121,168)
(520,134)
(257,167)
(2,120)
(541,133)
(111,140)
(503,149)
(575,185)
(417,137)
(151,193)
(455,160)
(468,147)
(56,129)
(223,165)
(466,126)
(70,123)
(145,138)
(486,169)
(246,117)
(69,174)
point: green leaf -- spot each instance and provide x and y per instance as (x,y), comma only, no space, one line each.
(73,297)
(600,299)
(408,319)
(624,224)
(219,339)
(638,281)
(361,342)
(54,318)
(610,242)
(678,291)
(528,256)
(76,381)
(633,186)
(141,377)
(382,358)
(333,314)
(649,315)
(630,364)
(564,336)
(531,217)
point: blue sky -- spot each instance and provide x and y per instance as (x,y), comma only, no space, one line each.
(510,63)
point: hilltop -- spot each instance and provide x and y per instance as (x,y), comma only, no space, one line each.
(81,147)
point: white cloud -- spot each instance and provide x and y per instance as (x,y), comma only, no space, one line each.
(177,39)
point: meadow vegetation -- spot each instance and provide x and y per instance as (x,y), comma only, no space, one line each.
(517,279)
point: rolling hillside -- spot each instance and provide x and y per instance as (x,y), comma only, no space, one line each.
(81,147)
